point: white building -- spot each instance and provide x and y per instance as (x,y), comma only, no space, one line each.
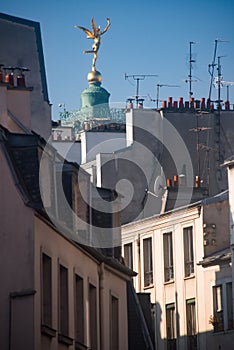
(183,260)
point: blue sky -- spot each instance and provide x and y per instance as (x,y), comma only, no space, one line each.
(146,37)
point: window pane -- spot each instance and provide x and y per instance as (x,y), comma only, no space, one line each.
(191,324)
(63,300)
(128,255)
(79,309)
(46,291)
(114,322)
(148,263)
(93,316)
(229,305)
(171,326)
(188,251)
(168,256)
(218,309)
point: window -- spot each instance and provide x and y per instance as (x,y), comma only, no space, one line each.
(63,300)
(188,251)
(218,309)
(171,326)
(222,318)
(93,316)
(114,323)
(128,255)
(191,324)
(168,257)
(148,263)
(79,309)
(230,323)
(46,291)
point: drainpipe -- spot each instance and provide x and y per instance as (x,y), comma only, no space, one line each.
(101,304)
(139,262)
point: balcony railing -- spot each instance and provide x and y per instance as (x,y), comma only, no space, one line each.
(189,268)
(148,278)
(169,273)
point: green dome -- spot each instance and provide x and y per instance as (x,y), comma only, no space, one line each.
(95,99)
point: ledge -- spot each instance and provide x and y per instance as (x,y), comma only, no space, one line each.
(65,339)
(47,330)
(80,346)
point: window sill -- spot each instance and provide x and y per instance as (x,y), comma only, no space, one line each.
(149,286)
(65,339)
(169,282)
(189,277)
(47,330)
(227,331)
(80,346)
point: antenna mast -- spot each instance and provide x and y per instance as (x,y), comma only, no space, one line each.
(213,64)
(191,61)
(138,77)
(157,91)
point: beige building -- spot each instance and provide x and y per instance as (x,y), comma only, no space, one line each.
(62,288)
(183,261)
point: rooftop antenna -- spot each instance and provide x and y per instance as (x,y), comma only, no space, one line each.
(197,130)
(138,77)
(191,61)
(157,92)
(227,84)
(219,81)
(213,64)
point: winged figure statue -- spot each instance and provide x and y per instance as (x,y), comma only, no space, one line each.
(95,34)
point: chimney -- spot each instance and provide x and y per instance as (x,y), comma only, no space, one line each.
(175,179)
(169,102)
(181,103)
(203,103)
(1,73)
(197,181)
(227,105)
(168,182)
(191,102)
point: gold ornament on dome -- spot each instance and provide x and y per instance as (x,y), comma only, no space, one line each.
(95,34)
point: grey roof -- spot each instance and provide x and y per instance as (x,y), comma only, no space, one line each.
(216,257)
(36,26)
(22,153)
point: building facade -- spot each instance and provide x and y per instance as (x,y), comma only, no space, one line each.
(183,261)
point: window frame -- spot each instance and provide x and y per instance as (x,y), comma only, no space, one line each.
(188,242)
(171,336)
(148,261)
(129,256)
(168,256)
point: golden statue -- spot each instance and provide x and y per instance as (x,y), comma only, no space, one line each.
(96,36)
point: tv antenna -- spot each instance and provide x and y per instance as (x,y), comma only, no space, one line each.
(227,84)
(138,77)
(158,90)
(219,82)
(213,64)
(190,79)
(197,130)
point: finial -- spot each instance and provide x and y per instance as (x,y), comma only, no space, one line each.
(95,34)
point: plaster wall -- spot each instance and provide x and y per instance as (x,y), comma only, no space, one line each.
(16,265)
(231,201)
(62,251)
(216,238)
(71,151)
(215,138)
(21,46)
(178,290)
(93,143)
